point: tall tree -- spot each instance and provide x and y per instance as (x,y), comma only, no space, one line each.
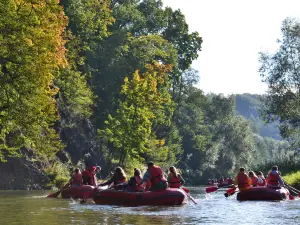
(32,48)
(88,22)
(130,130)
(281,71)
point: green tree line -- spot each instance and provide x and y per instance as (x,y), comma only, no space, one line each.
(110,82)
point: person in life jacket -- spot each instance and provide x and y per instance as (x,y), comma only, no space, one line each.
(242,180)
(155,176)
(76,179)
(261,181)
(221,181)
(229,181)
(254,178)
(89,176)
(134,182)
(274,180)
(175,180)
(118,179)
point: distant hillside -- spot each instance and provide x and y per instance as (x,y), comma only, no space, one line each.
(248,105)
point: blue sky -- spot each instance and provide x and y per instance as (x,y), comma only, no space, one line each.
(233,33)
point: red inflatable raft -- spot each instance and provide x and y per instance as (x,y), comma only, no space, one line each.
(83,192)
(263,194)
(170,196)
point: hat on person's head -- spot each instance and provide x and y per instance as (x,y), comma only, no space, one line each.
(98,168)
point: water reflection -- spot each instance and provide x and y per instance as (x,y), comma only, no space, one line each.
(31,207)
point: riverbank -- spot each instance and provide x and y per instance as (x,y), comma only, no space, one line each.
(293,179)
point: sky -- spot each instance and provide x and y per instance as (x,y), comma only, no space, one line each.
(234,32)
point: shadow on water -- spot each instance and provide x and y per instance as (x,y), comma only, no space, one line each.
(32,207)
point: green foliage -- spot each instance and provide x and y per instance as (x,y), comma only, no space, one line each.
(31,50)
(250,107)
(292,179)
(58,173)
(130,131)
(281,72)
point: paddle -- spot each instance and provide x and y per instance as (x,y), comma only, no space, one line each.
(189,195)
(211,189)
(293,191)
(230,192)
(215,188)
(185,189)
(56,194)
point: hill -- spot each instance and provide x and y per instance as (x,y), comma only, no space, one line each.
(248,106)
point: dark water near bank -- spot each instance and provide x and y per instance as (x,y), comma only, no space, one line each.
(32,207)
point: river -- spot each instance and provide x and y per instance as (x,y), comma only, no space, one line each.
(32,207)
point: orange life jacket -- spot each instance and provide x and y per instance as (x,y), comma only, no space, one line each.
(156,174)
(175,181)
(273,179)
(254,181)
(77,178)
(242,179)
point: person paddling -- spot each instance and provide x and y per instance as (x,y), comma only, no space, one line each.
(274,180)
(175,180)
(76,179)
(155,176)
(89,176)
(242,180)
(134,182)
(261,181)
(119,177)
(254,178)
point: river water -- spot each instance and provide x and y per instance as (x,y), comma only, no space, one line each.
(32,207)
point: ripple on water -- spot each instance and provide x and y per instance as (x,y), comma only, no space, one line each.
(34,208)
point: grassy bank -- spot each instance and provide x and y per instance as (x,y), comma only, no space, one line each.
(293,179)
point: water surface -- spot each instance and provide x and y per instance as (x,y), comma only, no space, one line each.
(32,207)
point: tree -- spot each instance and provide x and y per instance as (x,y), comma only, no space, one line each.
(32,49)
(130,130)
(281,71)
(88,22)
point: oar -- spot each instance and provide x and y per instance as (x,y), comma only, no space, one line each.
(56,194)
(293,191)
(211,189)
(215,188)
(189,195)
(230,192)
(185,189)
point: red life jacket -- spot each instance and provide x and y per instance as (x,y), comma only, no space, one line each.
(242,179)
(175,181)
(120,180)
(90,177)
(156,174)
(138,187)
(230,181)
(254,181)
(77,178)
(273,179)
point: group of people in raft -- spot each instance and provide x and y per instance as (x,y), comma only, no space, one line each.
(221,181)
(245,181)
(153,179)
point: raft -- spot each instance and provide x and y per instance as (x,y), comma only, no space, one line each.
(263,194)
(170,196)
(83,192)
